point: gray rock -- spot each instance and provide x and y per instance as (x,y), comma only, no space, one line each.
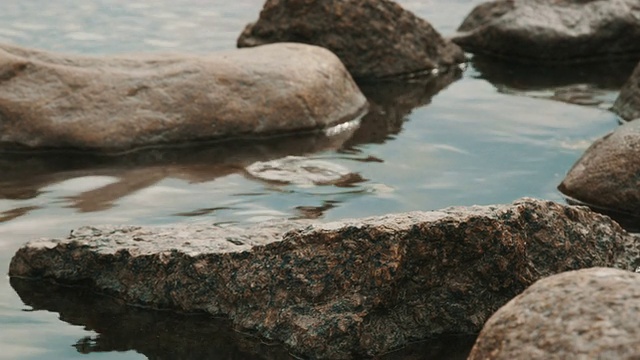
(301,171)
(627,104)
(117,103)
(373,38)
(584,314)
(553,30)
(606,176)
(342,289)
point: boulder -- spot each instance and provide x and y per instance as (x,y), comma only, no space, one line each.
(118,103)
(627,105)
(373,38)
(341,289)
(553,30)
(584,314)
(606,176)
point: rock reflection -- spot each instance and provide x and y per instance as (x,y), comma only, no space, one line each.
(25,175)
(390,102)
(594,84)
(155,334)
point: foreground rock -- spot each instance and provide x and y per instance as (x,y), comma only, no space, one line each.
(373,38)
(606,176)
(552,31)
(117,103)
(588,314)
(627,104)
(342,289)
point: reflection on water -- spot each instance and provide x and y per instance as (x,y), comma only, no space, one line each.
(582,84)
(155,334)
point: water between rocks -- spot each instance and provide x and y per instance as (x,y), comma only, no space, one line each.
(498,133)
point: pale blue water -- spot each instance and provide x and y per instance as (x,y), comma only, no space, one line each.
(476,142)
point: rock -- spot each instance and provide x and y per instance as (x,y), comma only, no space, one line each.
(553,30)
(302,171)
(373,38)
(341,289)
(118,103)
(584,314)
(606,176)
(627,104)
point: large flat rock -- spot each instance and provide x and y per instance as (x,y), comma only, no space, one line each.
(341,289)
(117,103)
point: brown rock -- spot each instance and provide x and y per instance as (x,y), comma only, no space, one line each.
(606,176)
(627,104)
(117,103)
(373,38)
(342,289)
(585,314)
(553,30)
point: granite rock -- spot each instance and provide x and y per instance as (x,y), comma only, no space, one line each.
(118,103)
(342,289)
(584,314)
(606,176)
(373,38)
(553,30)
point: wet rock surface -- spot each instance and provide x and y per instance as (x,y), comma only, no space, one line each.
(341,289)
(373,38)
(553,31)
(119,103)
(627,104)
(587,313)
(606,176)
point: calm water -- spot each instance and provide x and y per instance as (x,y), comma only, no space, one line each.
(496,133)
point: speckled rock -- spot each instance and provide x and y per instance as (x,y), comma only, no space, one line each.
(606,176)
(627,104)
(553,30)
(118,103)
(584,314)
(342,289)
(373,38)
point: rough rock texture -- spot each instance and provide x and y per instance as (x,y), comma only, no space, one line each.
(373,38)
(553,30)
(627,104)
(341,289)
(585,314)
(607,175)
(116,103)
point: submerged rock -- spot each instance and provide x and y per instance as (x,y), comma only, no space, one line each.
(606,176)
(552,30)
(341,289)
(590,314)
(373,38)
(117,103)
(302,171)
(627,104)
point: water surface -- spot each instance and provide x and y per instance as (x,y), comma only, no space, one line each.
(492,134)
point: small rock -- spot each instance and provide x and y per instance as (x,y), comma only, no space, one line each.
(345,289)
(553,30)
(627,104)
(373,38)
(606,176)
(584,314)
(118,103)
(301,171)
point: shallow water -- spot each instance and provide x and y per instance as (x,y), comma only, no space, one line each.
(493,134)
